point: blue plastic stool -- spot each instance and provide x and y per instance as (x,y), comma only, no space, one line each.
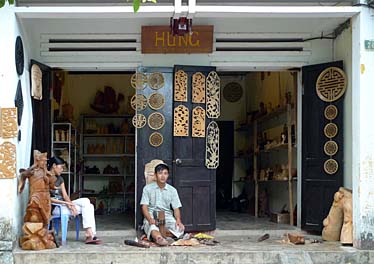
(64,224)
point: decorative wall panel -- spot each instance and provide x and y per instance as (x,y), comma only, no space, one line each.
(213,105)
(212,146)
(331,84)
(9,128)
(180,86)
(181,120)
(7,160)
(198,122)
(198,88)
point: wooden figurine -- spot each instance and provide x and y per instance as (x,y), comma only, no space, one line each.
(38,211)
(334,221)
(346,236)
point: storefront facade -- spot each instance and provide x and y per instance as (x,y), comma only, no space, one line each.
(37,26)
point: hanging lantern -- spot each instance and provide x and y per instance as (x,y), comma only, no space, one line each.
(181,26)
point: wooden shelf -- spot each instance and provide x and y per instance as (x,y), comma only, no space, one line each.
(106,194)
(61,142)
(102,175)
(109,135)
(107,155)
(277,148)
(261,181)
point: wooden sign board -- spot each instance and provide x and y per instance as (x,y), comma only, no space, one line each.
(159,39)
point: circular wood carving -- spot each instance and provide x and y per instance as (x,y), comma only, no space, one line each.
(331,112)
(139,81)
(19,56)
(156,80)
(156,139)
(139,120)
(331,148)
(331,84)
(156,120)
(232,92)
(331,130)
(331,166)
(156,101)
(138,102)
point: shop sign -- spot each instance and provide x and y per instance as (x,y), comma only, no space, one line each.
(369,44)
(159,39)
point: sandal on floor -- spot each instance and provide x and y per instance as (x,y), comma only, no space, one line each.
(93,241)
(161,241)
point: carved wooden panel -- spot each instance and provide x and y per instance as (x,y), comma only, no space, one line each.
(331,112)
(331,130)
(156,101)
(198,122)
(212,146)
(139,120)
(156,80)
(139,81)
(331,148)
(181,120)
(180,86)
(198,88)
(138,102)
(9,128)
(7,160)
(213,104)
(156,120)
(331,166)
(331,84)
(156,139)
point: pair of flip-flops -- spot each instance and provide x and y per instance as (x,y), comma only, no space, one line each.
(93,241)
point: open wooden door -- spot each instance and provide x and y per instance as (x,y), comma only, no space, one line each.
(322,142)
(195,183)
(41,111)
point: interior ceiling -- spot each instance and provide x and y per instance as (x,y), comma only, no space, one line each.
(313,26)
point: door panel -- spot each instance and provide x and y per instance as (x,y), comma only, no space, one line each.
(41,111)
(195,183)
(318,187)
(144,151)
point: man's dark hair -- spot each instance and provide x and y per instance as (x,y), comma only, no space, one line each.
(161,167)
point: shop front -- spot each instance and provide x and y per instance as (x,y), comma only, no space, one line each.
(232,107)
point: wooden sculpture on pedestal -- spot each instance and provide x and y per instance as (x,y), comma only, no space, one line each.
(38,211)
(338,223)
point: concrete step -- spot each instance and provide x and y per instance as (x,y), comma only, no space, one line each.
(231,249)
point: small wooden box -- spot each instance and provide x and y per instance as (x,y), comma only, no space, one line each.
(280,218)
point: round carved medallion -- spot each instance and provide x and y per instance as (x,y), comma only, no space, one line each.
(19,56)
(156,101)
(139,120)
(331,84)
(139,81)
(232,92)
(331,148)
(156,80)
(331,112)
(138,102)
(156,139)
(331,130)
(331,166)
(156,120)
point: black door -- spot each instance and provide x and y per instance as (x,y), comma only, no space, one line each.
(195,183)
(318,187)
(41,111)
(144,151)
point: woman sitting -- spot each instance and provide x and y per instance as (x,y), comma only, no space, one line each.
(74,208)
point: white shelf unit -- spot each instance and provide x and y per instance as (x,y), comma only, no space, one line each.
(64,137)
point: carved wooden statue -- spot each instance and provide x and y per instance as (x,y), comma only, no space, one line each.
(338,223)
(38,211)
(346,236)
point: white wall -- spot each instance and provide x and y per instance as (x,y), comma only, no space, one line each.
(343,51)
(363,132)
(13,205)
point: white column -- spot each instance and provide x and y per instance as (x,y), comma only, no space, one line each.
(363,132)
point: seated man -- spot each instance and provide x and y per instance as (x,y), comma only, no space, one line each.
(161,197)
